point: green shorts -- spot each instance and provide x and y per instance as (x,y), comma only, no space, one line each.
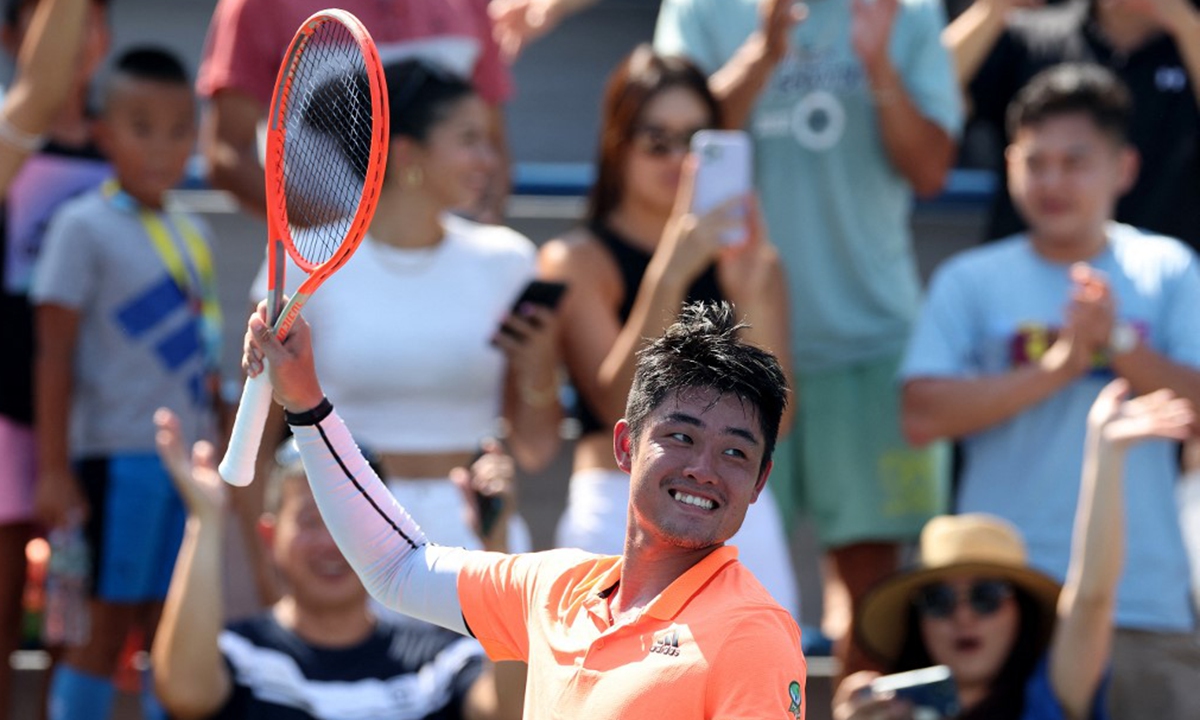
(846,464)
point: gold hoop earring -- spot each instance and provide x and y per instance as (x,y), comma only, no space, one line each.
(414,177)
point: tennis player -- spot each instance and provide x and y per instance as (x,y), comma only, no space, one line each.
(675,626)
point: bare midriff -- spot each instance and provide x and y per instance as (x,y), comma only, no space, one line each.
(594,451)
(419,466)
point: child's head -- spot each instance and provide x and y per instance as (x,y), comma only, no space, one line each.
(1069,160)
(147,124)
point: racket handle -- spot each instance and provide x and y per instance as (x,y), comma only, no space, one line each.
(237,467)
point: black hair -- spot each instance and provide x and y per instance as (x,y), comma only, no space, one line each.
(13,9)
(1073,88)
(420,95)
(1005,699)
(151,63)
(703,351)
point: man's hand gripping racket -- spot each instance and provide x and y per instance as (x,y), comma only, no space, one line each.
(327,140)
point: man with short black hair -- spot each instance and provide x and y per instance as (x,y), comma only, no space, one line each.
(675,626)
(1016,340)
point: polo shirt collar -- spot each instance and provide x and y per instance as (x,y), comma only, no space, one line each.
(668,604)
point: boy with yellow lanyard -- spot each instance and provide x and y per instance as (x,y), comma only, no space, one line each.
(126,322)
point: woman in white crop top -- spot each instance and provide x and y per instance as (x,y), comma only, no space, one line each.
(408,332)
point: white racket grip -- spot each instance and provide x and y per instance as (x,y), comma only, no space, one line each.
(237,467)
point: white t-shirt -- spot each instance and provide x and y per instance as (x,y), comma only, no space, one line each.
(402,337)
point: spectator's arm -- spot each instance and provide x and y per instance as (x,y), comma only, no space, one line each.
(191,678)
(939,407)
(229,140)
(1148,370)
(58,499)
(494,207)
(45,75)
(920,149)
(972,35)
(739,82)
(517,23)
(1082,642)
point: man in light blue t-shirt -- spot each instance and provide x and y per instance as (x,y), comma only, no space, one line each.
(1016,340)
(851,111)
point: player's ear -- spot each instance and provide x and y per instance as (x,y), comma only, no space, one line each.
(623,445)
(762,479)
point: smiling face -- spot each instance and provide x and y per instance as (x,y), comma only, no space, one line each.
(457,158)
(315,571)
(695,467)
(974,646)
(1065,176)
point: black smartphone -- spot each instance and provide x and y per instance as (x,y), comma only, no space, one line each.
(545,293)
(931,691)
(489,507)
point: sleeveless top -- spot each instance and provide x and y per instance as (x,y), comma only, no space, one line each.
(632,263)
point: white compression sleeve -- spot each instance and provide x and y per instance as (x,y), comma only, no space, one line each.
(379,539)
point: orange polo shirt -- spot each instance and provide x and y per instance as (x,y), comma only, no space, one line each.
(714,644)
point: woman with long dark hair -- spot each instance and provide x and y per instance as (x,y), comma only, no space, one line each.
(640,254)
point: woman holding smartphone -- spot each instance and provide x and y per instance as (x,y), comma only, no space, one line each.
(424,387)
(1017,647)
(640,254)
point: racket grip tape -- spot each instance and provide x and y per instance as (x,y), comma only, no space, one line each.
(237,467)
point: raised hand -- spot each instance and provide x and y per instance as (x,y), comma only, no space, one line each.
(1123,422)
(489,482)
(691,242)
(744,271)
(290,363)
(871,29)
(203,492)
(777,18)
(517,23)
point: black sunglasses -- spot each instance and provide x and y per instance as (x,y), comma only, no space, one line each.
(940,600)
(658,141)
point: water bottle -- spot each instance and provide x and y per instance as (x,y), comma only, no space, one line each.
(67,621)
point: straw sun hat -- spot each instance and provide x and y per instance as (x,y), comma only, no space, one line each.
(951,545)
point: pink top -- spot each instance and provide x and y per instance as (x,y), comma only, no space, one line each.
(247,39)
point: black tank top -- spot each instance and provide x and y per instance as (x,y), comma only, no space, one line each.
(631,263)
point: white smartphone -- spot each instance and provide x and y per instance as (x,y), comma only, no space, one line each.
(724,172)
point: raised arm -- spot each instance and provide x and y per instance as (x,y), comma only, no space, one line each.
(190,675)
(517,23)
(971,36)
(741,80)
(1080,649)
(45,76)
(918,148)
(376,535)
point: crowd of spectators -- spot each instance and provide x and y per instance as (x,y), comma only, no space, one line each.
(997,396)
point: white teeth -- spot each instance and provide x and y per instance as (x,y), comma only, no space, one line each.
(693,500)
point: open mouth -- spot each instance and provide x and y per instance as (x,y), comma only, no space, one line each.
(967,645)
(693,500)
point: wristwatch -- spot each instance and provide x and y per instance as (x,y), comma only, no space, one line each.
(1123,338)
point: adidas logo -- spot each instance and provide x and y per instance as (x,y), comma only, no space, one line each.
(667,644)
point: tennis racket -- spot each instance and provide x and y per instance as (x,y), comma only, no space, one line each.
(327,140)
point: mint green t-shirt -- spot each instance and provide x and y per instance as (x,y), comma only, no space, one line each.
(835,206)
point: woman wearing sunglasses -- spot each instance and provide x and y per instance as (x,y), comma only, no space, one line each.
(637,258)
(1016,646)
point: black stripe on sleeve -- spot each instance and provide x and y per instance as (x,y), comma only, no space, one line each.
(350,476)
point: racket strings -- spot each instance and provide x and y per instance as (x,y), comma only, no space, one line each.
(328,121)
